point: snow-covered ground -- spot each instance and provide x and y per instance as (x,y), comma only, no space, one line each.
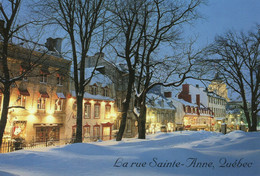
(187,153)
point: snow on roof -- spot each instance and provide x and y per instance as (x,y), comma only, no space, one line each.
(213,94)
(98,78)
(94,97)
(159,102)
(185,103)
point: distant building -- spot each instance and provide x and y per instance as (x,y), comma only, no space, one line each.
(219,87)
(160,115)
(235,116)
(198,115)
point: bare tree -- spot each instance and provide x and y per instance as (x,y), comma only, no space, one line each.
(144,26)
(10,29)
(236,56)
(84,22)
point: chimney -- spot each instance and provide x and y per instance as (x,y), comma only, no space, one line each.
(57,44)
(197,86)
(53,44)
(168,94)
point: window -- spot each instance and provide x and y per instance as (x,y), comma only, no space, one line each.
(94,90)
(21,100)
(58,104)
(47,133)
(105,92)
(96,132)
(43,75)
(43,78)
(87,110)
(59,80)
(86,131)
(41,104)
(97,111)
(108,111)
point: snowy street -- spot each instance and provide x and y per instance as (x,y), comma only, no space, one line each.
(182,154)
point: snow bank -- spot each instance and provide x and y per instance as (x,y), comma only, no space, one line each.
(179,153)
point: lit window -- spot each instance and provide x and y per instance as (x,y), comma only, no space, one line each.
(86,131)
(108,110)
(21,100)
(97,111)
(58,104)
(96,132)
(87,110)
(41,104)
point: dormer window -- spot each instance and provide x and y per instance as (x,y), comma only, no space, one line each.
(105,92)
(94,90)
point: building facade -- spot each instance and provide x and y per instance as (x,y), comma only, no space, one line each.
(160,115)
(118,74)
(41,96)
(198,115)
(98,110)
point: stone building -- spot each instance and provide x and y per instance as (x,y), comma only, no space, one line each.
(118,74)
(98,109)
(160,115)
(41,93)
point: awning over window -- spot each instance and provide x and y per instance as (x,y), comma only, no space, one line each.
(45,71)
(23,92)
(60,95)
(44,94)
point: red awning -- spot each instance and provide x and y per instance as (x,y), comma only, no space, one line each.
(24,92)
(44,94)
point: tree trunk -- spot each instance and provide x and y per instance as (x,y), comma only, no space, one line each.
(4,112)
(126,105)
(142,122)
(79,119)
(254,123)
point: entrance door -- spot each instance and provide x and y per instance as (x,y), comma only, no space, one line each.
(47,133)
(106,133)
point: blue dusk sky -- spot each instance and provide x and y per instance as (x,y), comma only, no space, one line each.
(223,15)
(219,17)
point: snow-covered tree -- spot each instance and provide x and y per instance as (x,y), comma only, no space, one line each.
(143,27)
